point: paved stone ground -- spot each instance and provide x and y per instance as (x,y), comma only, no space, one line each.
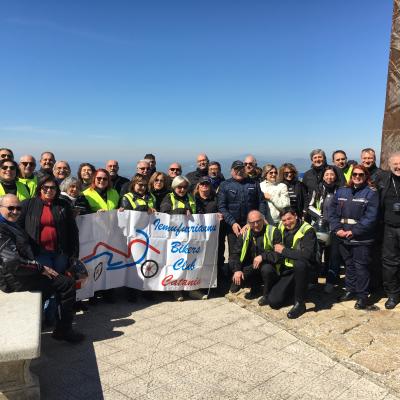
(198,350)
(365,341)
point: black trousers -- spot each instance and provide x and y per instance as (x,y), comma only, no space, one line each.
(280,288)
(357,260)
(391,261)
(63,288)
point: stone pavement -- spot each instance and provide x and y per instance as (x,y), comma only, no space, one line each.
(195,350)
(364,341)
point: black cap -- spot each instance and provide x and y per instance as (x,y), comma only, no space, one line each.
(149,156)
(205,179)
(237,164)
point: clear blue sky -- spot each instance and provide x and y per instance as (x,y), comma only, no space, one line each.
(93,80)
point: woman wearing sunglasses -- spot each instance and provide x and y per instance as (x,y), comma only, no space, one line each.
(8,180)
(158,187)
(275,193)
(100,195)
(353,215)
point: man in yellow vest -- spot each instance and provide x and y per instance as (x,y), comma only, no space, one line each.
(344,167)
(26,166)
(298,255)
(253,254)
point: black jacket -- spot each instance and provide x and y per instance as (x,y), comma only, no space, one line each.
(17,264)
(300,191)
(206,206)
(67,231)
(119,183)
(159,195)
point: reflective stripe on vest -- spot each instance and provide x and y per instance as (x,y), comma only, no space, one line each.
(96,202)
(296,240)
(180,204)
(136,202)
(347,174)
(268,240)
(22,191)
(31,183)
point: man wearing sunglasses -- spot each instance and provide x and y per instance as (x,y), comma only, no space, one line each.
(26,166)
(8,180)
(6,154)
(19,271)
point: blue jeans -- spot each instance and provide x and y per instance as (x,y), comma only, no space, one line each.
(60,263)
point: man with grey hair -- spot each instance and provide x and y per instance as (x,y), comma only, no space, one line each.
(313,177)
(389,190)
(19,271)
(200,172)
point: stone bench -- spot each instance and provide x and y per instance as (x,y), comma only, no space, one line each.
(20,326)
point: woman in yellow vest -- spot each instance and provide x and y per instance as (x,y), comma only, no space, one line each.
(138,198)
(8,181)
(100,195)
(179,201)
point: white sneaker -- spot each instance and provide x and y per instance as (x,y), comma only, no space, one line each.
(329,288)
(196,295)
(178,295)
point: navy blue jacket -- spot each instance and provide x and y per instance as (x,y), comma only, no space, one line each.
(237,198)
(362,205)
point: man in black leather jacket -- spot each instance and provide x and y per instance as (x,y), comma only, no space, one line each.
(20,272)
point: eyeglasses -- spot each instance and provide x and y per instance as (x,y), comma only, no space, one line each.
(5,155)
(288,173)
(13,208)
(175,169)
(182,187)
(100,179)
(248,163)
(28,163)
(62,169)
(6,167)
(159,180)
(355,174)
(272,173)
(45,188)
(205,183)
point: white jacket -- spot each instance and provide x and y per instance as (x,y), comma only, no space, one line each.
(279,197)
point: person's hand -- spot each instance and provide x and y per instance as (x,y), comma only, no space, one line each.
(244,229)
(237,277)
(278,248)
(257,262)
(49,272)
(188,213)
(151,210)
(220,216)
(267,196)
(121,209)
(236,229)
(349,234)
(101,210)
(341,233)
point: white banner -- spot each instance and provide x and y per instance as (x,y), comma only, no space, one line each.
(148,251)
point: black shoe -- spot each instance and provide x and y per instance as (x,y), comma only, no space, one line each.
(391,303)
(347,296)
(253,294)
(69,336)
(361,304)
(234,288)
(263,301)
(297,310)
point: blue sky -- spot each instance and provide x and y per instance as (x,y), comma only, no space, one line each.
(94,80)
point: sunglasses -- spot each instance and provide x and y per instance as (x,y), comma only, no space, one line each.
(272,173)
(182,187)
(175,169)
(13,208)
(6,167)
(159,180)
(288,173)
(28,163)
(248,163)
(45,188)
(100,178)
(355,174)
(5,155)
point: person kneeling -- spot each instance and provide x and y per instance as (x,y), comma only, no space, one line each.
(19,271)
(297,255)
(254,255)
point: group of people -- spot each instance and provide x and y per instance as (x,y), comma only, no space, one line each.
(282,231)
